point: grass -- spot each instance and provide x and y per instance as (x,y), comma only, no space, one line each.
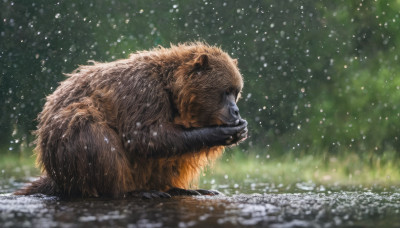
(347,169)
(238,168)
(16,170)
(9,160)
(14,164)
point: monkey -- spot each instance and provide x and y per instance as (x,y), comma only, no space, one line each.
(141,126)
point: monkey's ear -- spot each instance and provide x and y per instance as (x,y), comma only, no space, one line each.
(201,62)
(235,61)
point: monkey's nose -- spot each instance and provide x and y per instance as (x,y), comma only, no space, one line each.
(234,111)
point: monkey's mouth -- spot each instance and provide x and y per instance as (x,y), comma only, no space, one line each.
(229,122)
(236,122)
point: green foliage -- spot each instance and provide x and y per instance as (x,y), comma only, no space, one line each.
(359,114)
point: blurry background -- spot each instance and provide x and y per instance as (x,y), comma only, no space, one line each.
(322,85)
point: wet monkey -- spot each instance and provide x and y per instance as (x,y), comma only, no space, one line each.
(145,125)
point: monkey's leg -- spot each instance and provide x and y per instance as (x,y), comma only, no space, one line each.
(101,165)
(107,170)
(83,155)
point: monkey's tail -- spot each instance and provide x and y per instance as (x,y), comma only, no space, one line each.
(44,185)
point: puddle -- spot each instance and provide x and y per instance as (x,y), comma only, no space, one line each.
(334,209)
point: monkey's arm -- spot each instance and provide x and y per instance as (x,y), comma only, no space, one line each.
(173,140)
(216,136)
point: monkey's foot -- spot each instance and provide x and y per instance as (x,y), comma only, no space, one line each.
(188,192)
(209,192)
(152,194)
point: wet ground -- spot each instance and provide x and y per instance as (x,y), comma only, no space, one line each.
(304,209)
(250,204)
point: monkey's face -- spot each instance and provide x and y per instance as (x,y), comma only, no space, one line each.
(209,94)
(228,113)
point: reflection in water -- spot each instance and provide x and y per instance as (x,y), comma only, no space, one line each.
(274,210)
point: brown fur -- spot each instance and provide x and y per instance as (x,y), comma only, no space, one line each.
(107,129)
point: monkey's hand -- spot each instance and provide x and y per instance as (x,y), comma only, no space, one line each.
(238,136)
(219,135)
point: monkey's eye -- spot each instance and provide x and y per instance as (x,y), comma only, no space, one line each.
(230,91)
(224,96)
(236,93)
